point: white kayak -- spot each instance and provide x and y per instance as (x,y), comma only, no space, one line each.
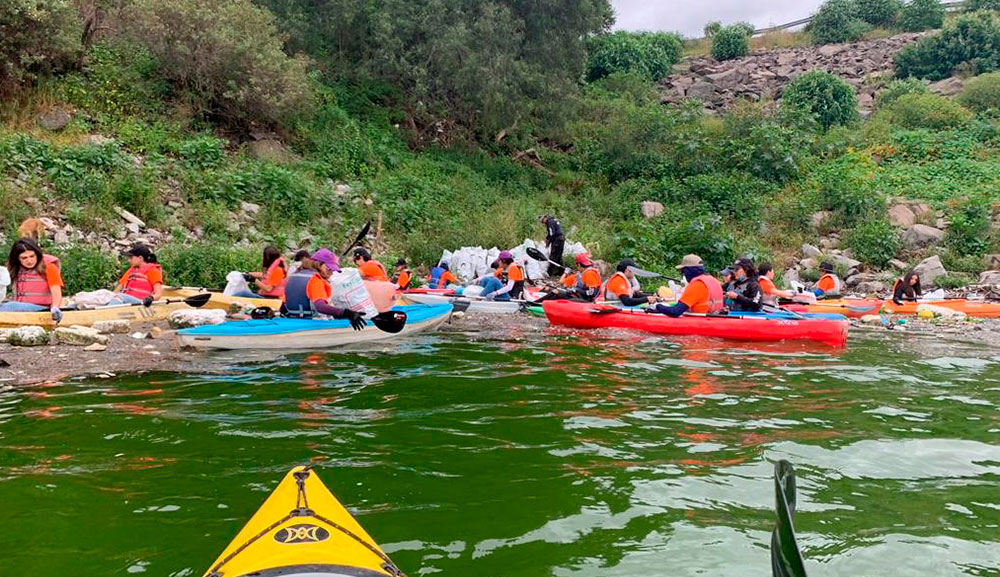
(475,305)
(300,334)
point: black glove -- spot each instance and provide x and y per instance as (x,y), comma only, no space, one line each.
(57,315)
(148,301)
(248,277)
(357,319)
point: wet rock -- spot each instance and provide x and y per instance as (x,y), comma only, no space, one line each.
(190,318)
(78,336)
(810,251)
(921,236)
(113,327)
(28,337)
(930,269)
(56,119)
(901,216)
(651,209)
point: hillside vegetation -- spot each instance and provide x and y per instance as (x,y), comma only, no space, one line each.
(457,123)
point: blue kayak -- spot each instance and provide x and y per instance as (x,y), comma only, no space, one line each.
(285,333)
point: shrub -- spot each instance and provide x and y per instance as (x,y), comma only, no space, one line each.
(982,93)
(954,280)
(36,37)
(712,28)
(205,264)
(845,186)
(225,58)
(879,13)
(771,144)
(666,240)
(920,15)
(87,269)
(747,27)
(738,195)
(969,233)
(899,88)
(969,42)
(730,42)
(874,241)
(928,111)
(202,152)
(646,53)
(831,100)
(837,21)
(976,5)
(118,79)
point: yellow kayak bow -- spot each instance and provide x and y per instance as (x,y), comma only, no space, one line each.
(302,530)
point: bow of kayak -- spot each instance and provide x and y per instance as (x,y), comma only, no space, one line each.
(831,331)
(302,530)
(971,308)
(851,308)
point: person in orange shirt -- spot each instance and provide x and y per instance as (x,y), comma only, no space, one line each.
(369,269)
(623,286)
(143,281)
(37,280)
(507,282)
(402,277)
(308,292)
(703,293)
(441,277)
(271,279)
(771,293)
(584,284)
(828,284)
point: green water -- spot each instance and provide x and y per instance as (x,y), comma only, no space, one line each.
(525,452)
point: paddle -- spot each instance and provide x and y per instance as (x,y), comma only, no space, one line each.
(361,235)
(540,256)
(782,310)
(390,321)
(786,560)
(460,305)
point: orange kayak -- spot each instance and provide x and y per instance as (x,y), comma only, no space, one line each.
(972,308)
(852,308)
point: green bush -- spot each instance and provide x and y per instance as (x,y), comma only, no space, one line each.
(649,54)
(831,100)
(662,242)
(970,43)
(771,144)
(845,186)
(874,241)
(930,111)
(730,42)
(118,79)
(898,88)
(969,232)
(837,21)
(920,15)
(205,264)
(954,280)
(86,268)
(982,93)
(879,13)
(36,37)
(202,152)
(977,5)
(712,28)
(738,195)
(224,58)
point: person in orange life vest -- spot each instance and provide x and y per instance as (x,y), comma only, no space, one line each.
(585,284)
(703,293)
(36,278)
(507,282)
(623,286)
(441,277)
(765,277)
(402,277)
(142,283)
(828,284)
(746,295)
(272,277)
(308,291)
(369,269)
(907,288)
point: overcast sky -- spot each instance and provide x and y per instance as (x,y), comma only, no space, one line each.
(689,16)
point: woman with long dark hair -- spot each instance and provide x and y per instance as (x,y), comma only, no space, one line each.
(37,280)
(272,277)
(907,288)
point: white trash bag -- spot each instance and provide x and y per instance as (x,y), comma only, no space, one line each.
(4,282)
(235,283)
(349,292)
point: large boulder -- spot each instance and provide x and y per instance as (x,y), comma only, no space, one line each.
(190,318)
(56,119)
(993,261)
(990,277)
(121,327)
(28,337)
(810,251)
(901,216)
(921,236)
(930,269)
(651,209)
(818,218)
(78,336)
(845,261)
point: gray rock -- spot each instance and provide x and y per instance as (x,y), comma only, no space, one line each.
(97,140)
(120,327)
(921,236)
(990,277)
(129,217)
(898,264)
(791,275)
(871,287)
(818,218)
(96,347)
(651,209)
(79,336)
(5,335)
(993,261)
(809,263)
(930,269)
(60,237)
(189,318)
(28,337)
(947,87)
(701,91)
(269,149)
(829,243)
(847,262)
(56,119)
(250,208)
(810,251)
(901,216)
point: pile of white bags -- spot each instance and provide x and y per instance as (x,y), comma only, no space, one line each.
(471,262)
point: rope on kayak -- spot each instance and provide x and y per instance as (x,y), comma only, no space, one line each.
(302,510)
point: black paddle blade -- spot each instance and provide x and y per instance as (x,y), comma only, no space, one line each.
(536,254)
(198,301)
(361,235)
(460,305)
(390,321)
(786,560)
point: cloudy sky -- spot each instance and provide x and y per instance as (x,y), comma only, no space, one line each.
(689,16)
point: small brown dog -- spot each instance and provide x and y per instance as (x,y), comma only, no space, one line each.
(32,228)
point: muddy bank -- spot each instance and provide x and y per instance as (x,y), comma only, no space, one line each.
(159,351)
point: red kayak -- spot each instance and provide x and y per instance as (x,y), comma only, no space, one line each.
(761,328)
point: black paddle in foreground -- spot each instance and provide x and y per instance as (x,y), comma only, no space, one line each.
(196,301)
(540,256)
(390,321)
(357,240)
(460,305)
(786,560)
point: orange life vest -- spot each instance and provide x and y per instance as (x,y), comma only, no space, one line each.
(31,287)
(833,292)
(715,297)
(278,291)
(137,285)
(604,289)
(569,280)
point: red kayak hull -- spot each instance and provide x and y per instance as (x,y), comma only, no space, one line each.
(579,316)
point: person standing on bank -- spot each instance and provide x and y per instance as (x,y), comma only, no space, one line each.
(555,241)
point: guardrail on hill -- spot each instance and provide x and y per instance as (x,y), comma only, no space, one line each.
(953,6)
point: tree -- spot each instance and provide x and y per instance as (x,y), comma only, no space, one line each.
(649,54)
(831,100)
(36,37)
(970,42)
(731,42)
(837,21)
(977,5)
(920,15)
(712,28)
(879,13)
